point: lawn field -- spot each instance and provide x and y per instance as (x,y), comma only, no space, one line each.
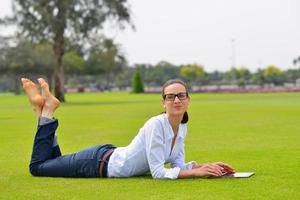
(252,132)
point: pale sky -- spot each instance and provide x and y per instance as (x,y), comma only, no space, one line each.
(201,31)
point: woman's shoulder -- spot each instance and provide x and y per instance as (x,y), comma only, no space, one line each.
(161,118)
(156,121)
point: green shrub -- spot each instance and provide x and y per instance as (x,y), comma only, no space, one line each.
(137,83)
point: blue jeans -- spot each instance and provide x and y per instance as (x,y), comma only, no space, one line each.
(47,160)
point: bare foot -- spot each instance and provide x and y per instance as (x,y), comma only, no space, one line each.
(51,103)
(34,95)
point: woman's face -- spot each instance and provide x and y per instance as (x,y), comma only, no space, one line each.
(175,100)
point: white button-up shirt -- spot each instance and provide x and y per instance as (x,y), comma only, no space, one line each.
(150,150)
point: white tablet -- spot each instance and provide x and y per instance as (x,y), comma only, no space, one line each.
(238,175)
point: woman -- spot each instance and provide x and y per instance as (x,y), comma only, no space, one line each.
(159,141)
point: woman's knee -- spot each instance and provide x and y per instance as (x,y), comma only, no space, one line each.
(33,168)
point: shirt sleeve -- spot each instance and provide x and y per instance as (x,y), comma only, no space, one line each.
(179,160)
(155,149)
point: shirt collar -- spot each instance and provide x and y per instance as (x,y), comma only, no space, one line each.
(181,133)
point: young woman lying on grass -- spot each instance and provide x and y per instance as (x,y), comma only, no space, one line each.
(159,141)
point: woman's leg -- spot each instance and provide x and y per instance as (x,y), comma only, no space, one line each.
(50,105)
(44,106)
(37,102)
(43,163)
(46,160)
(42,150)
(56,152)
(82,164)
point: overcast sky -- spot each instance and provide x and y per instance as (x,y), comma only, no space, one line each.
(209,32)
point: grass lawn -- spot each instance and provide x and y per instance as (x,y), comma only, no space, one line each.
(252,132)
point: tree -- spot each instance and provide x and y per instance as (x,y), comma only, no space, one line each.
(240,76)
(16,61)
(258,78)
(137,83)
(296,60)
(243,75)
(106,58)
(292,75)
(273,75)
(231,75)
(73,62)
(193,73)
(158,74)
(43,58)
(216,77)
(53,20)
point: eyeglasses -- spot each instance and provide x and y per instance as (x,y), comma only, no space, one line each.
(171,97)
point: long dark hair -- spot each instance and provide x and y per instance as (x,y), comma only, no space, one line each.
(185,117)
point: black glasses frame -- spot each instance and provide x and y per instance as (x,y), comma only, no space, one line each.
(176,95)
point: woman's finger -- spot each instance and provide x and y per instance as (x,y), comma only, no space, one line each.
(212,173)
(226,166)
(215,169)
(210,170)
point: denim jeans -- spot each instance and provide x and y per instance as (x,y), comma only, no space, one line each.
(47,160)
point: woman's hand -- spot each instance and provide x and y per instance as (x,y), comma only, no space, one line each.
(227,169)
(209,169)
(213,169)
(206,170)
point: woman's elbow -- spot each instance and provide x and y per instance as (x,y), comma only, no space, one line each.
(162,175)
(157,175)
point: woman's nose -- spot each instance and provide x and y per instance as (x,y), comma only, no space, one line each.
(177,99)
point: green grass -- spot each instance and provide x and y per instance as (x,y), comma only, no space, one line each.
(252,132)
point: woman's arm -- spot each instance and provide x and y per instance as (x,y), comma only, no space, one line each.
(179,161)
(155,153)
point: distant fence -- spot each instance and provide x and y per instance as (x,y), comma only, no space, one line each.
(234,89)
(203,89)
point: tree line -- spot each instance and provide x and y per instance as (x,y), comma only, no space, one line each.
(104,67)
